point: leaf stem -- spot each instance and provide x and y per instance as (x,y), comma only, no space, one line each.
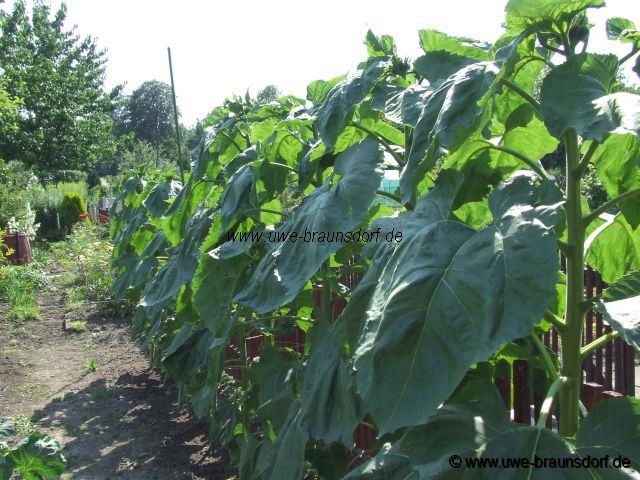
(548,400)
(629,55)
(384,143)
(388,195)
(554,320)
(548,363)
(224,134)
(535,166)
(521,92)
(586,158)
(597,343)
(607,205)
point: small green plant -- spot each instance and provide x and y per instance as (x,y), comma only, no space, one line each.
(71,207)
(78,326)
(23,308)
(36,456)
(90,365)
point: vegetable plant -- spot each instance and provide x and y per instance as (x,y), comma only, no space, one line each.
(473,283)
(35,457)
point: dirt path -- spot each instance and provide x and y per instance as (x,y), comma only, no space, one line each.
(120,421)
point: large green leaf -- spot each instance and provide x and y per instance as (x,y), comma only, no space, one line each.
(38,457)
(616,250)
(406,105)
(329,405)
(528,443)
(7,429)
(274,376)
(573,96)
(379,46)
(612,427)
(449,116)
(215,282)
(439,65)
(182,263)
(435,41)
(449,296)
(617,161)
(318,90)
(335,111)
(550,14)
(620,307)
(390,463)
(474,415)
(288,265)
(284,458)
(619,28)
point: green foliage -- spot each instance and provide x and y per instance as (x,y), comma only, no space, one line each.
(472,282)
(148,113)
(70,209)
(66,117)
(18,286)
(35,457)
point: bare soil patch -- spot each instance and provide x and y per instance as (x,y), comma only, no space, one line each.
(119,421)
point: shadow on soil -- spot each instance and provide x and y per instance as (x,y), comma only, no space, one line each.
(132,429)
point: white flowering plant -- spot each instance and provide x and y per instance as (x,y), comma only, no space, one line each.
(25,225)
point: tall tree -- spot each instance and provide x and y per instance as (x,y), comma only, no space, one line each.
(268,94)
(148,113)
(65,114)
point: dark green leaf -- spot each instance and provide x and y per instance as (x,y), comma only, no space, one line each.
(574,97)
(422,307)
(450,115)
(335,111)
(613,425)
(329,406)
(288,265)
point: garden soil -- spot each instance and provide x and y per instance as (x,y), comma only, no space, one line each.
(119,421)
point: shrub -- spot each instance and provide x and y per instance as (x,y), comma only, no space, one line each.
(71,207)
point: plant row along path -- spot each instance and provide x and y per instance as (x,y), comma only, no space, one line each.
(89,387)
(475,278)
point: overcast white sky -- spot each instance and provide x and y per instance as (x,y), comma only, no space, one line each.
(222,48)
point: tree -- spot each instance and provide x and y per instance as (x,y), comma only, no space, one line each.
(65,116)
(9,115)
(268,94)
(148,113)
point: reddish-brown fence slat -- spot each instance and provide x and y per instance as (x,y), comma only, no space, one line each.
(521,392)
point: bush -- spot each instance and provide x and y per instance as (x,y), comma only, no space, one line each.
(71,207)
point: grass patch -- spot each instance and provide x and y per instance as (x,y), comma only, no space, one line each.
(23,308)
(90,365)
(78,326)
(20,332)
(76,298)
(34,391)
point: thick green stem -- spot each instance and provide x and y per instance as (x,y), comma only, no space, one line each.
(572,334)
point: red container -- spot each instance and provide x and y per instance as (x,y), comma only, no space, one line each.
(19,243)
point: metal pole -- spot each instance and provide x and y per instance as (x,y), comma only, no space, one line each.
(175,111)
